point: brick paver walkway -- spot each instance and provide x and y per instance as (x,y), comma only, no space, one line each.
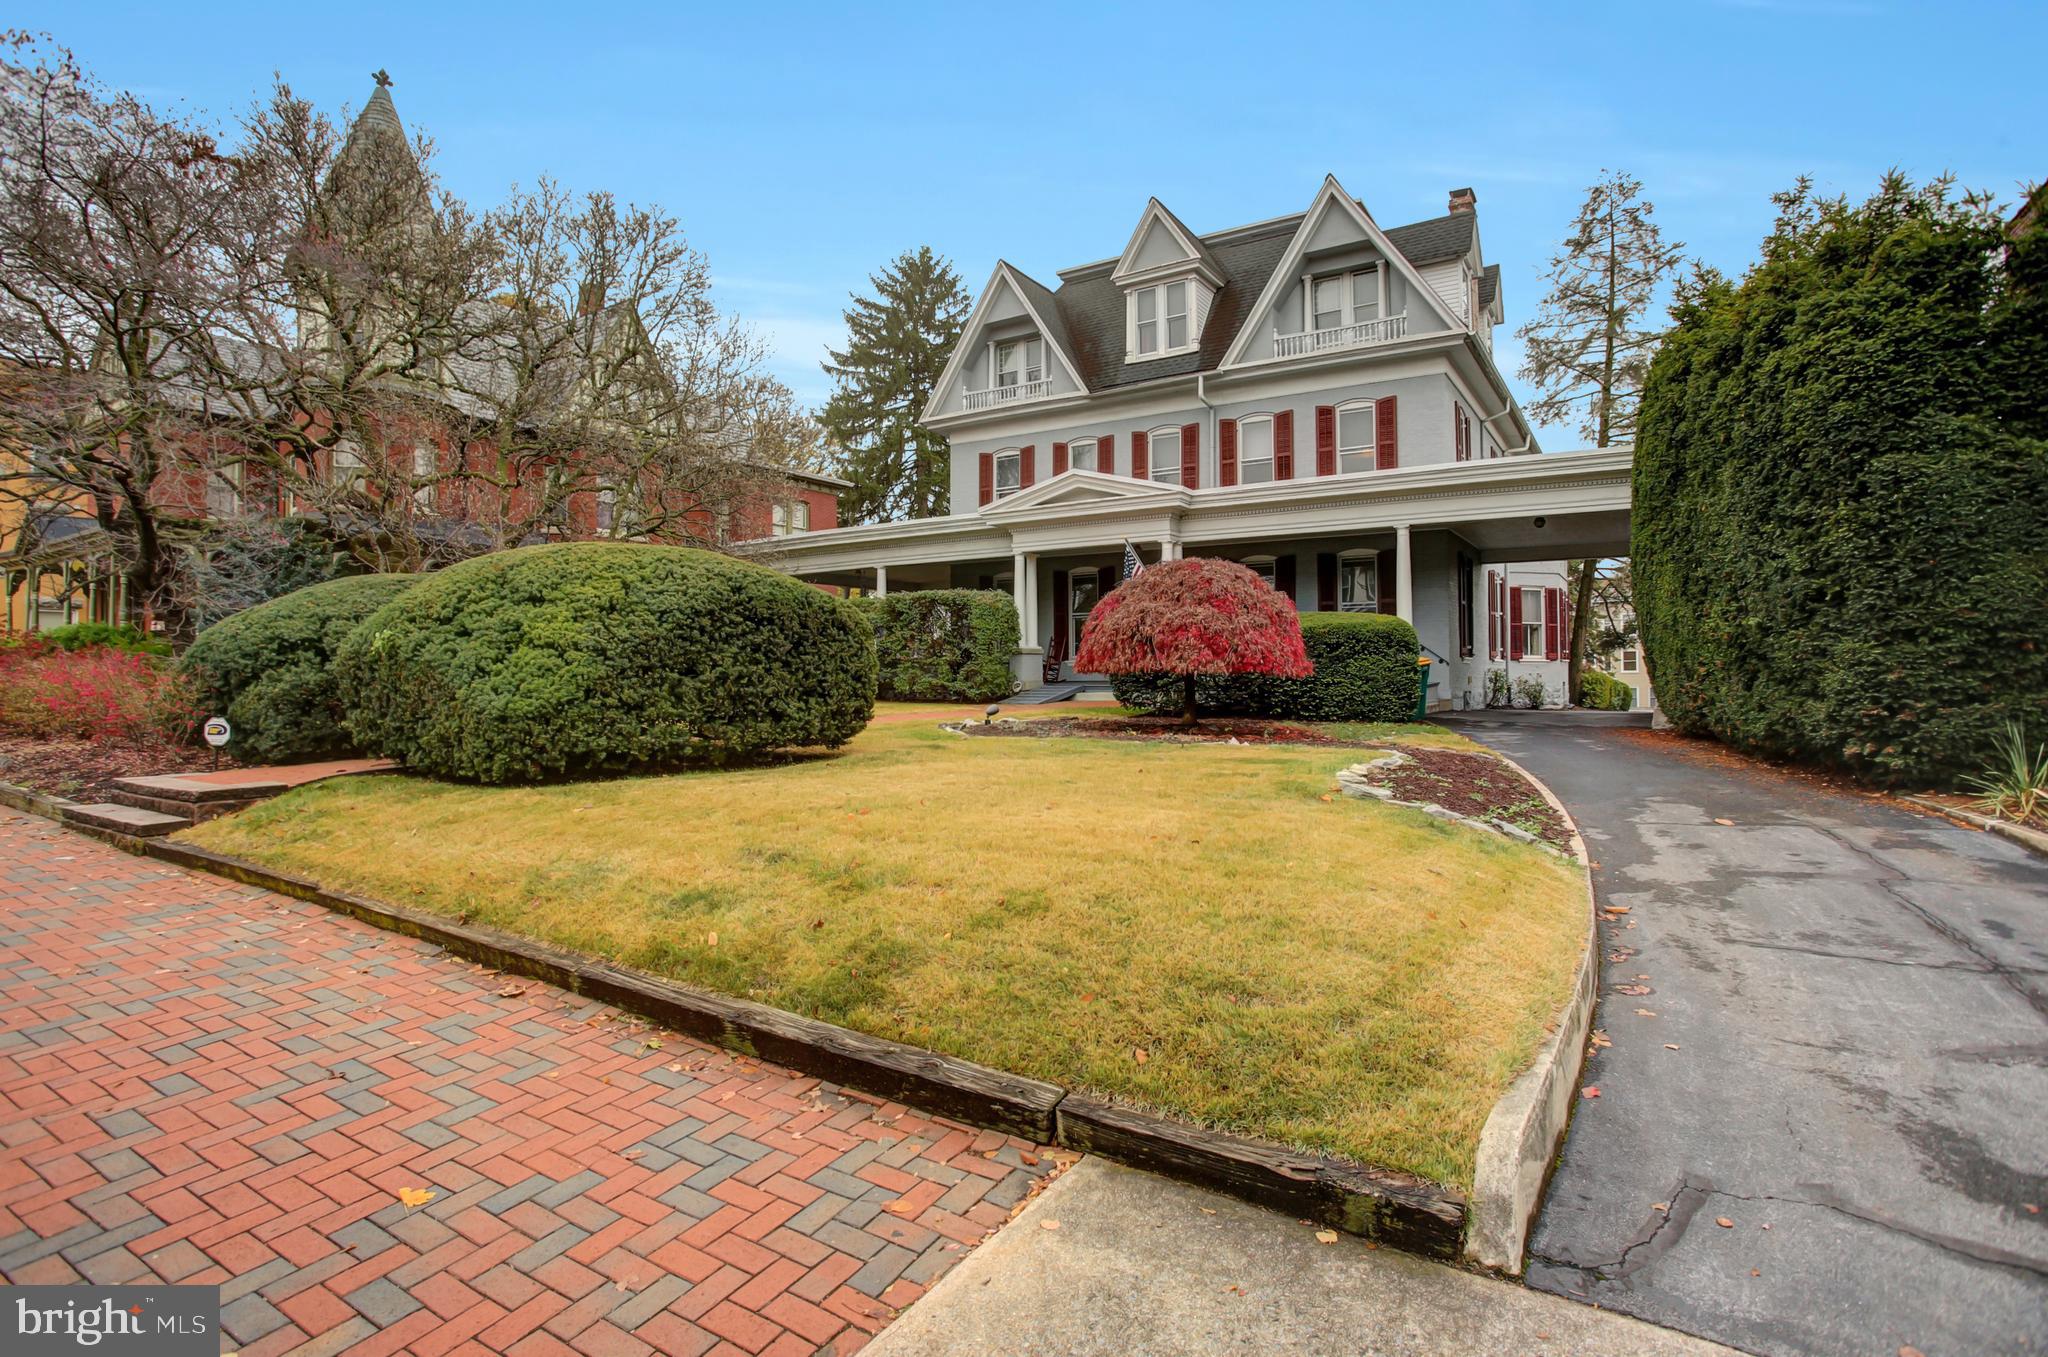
(202,1082)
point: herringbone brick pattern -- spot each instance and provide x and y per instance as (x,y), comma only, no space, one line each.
(203,1082)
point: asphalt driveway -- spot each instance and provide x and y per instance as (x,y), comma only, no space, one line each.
(1822,1121)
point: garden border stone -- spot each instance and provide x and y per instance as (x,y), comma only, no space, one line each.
(1518,1144)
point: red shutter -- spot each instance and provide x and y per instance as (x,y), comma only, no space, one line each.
(1387,436)
(1226,452)
(1062,610)
(1386,584)
(1514,623)
(1553,621)
(1457,432)
(1105,454)
(988,477)
(1283,446)
(1326,582)
(1027,466)
(1191,456)
(1283,579)
(1326,440)
(1059,459)
(1140,450)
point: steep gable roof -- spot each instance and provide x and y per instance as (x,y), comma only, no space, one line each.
(1195,251)
(1038,301)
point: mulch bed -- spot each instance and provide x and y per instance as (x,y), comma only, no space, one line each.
(84,770)
(1163,730)
(1474,785)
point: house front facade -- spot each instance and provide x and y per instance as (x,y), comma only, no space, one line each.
(1312,395)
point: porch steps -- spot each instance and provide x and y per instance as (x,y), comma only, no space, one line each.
(143,824)
(1066,690)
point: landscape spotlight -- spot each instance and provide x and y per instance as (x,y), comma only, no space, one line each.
(990,714)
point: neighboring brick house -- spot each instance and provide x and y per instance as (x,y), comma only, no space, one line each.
(1312,395)
(58,565)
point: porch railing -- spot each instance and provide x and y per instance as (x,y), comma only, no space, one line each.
(1003,395)
(1341,337)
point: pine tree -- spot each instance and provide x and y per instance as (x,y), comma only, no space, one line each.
(898,341)
(1588,351)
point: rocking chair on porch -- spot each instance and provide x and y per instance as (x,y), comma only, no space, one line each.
(1055,659)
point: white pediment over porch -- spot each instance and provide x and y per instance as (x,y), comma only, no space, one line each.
(1084,489)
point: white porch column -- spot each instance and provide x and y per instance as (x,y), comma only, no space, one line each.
(1031,600)
(1019,585)
(881,581)
(1404,576)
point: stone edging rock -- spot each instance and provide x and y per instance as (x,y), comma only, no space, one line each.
(2032,839)
(1520,1139)
(1355,781)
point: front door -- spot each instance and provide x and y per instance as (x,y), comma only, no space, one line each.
(1084,591)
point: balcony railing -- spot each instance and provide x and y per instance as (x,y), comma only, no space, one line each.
(1342,337)
(1003,395)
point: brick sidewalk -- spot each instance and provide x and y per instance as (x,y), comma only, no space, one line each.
(203,1082)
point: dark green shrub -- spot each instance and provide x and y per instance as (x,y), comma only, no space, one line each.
(1365,671)
(270,669)
(600,657)
(1841,492)
(115,636)
(943,645)
(1602,691)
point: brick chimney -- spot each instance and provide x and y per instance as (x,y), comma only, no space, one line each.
(590,298)
(1463,200)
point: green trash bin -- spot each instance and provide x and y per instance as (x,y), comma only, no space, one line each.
(1421,688)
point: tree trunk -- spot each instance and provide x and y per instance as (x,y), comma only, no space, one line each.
(1187,714)
(1582,619)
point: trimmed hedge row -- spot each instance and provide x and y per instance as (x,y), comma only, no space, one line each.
(1602,691)
(559,660)
(1840,527)
(943,645)
(113,635)
(269,669)
(1365,671)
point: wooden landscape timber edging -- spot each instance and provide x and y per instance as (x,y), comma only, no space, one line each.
(1385,1206)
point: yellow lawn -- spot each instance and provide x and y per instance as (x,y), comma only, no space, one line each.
(1326,972)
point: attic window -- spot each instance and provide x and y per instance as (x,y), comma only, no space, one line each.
(1161,320)
(1020,362)
(1344,299)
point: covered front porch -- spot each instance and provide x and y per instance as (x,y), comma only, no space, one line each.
(1414,542)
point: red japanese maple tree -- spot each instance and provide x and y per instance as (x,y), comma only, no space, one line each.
(1193,618)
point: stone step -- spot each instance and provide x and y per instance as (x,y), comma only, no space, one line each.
(182,787)
(144,824)
(192,812)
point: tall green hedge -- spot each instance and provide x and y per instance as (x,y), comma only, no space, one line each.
(944,645)
(1841,492)
(1602,691)
(1365,671)
(601,657)
(269,669)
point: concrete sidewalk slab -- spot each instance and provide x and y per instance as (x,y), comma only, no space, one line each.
(1140,1265)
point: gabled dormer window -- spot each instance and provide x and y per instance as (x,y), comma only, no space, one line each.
(1019,362)
(1341,299)
(1162,320)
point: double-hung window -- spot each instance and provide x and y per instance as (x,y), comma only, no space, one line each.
(224,490)
(1344,299)
(425,470)
(778,520)
(1265,568)
(1081,454)
(1161,322)
(1532,624)
(1628,660)
(1166,455)
(1358,584)
(607,508)
(1009,473)
(1255,450)
(1020,361)
(1355,436)
(800,516)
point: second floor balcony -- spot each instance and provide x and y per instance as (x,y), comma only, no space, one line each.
(1004,395)
(1355,336)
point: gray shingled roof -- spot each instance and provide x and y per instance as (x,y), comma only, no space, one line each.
(1489,285)
(1090,307)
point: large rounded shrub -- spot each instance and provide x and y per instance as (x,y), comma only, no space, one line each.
(601,657)
(269,669)
(1364,671)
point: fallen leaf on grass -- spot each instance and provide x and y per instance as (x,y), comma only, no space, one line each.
(1138,1054)
(416,1196)
(1326,1236)
(711,939)
(1724,1222)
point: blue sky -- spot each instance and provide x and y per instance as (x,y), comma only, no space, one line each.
(802,146)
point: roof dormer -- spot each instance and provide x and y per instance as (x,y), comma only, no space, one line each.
(1169,279)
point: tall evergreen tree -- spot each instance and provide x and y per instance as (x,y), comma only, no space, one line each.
(898,341)
(1588,351)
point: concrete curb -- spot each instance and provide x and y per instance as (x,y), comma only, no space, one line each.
(2031,839)
(1380,1205)
(1521,1135)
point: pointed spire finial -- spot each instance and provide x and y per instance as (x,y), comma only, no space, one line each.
(383,79)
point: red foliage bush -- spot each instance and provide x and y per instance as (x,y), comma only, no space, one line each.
(99,693)
(1194,617)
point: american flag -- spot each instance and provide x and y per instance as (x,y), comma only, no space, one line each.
(1133,567)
